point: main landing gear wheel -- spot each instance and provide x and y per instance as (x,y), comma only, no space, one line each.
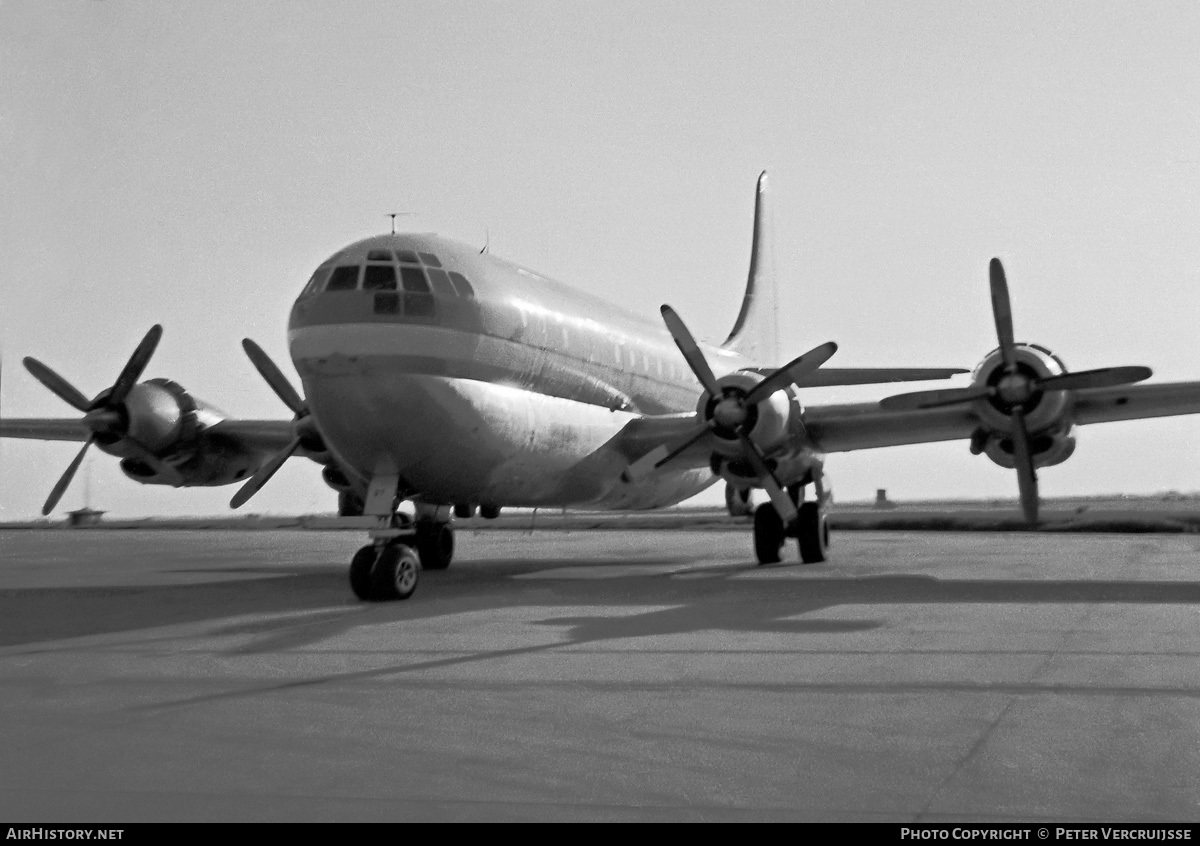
(360,572)
(768,534)
(435,545)
(737,503)
(396,573)
(813,533)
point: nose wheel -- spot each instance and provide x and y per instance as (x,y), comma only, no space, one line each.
(384,572)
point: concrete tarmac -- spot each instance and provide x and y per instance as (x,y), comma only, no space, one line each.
(602,675)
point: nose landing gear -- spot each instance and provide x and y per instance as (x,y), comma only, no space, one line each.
(390,566)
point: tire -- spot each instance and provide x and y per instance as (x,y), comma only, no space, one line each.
(435,545)
(768,534)
(360,572)
(814,534)
(737,503)
(396,573)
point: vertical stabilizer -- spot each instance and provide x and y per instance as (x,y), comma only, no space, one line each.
(756,333)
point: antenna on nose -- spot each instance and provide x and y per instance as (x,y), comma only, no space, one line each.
(394,215)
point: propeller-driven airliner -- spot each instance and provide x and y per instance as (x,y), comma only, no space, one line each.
(447,377)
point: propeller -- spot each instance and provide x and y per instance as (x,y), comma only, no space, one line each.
(104,415)
(284,390)
(1016,389)
(731,410)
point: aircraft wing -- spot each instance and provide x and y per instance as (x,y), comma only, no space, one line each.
(256,435)
(840,428)
(1134,402)
(829,377)
(864,425)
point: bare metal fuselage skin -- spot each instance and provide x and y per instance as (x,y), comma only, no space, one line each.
(510,390)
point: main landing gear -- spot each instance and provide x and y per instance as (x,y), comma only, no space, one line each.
(390,566)
(810,529)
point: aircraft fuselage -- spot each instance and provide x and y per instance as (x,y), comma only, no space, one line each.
(479,381)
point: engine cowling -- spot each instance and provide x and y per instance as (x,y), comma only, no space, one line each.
(768,422)
(1043,410)
(1047,448)
(1047,414)
(163,438)
(215,460)
(775,425)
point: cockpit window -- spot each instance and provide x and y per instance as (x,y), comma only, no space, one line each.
(379,255)
(407,256)
(315,284)
(462,285)
(418,301)
(430,259)
(440,280)
(414,279)
(344,278)
(379,277)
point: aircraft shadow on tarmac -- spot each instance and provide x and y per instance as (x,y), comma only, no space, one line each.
(314,604)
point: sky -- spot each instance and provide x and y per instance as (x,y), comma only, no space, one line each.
(190,163)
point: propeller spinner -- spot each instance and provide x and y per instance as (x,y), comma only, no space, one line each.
(1017,390)
(104,415)
(730,410)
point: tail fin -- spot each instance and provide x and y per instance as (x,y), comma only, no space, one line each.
(756,332)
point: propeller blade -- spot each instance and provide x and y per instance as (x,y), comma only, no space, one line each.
(1026,475)
(263,475)
(660,455)
(133,369)
(934,399)
(690,349)
(1002,311)
(779,498)
(275,378)
(1104,377)
(61,487)
(57,385)
(792,372)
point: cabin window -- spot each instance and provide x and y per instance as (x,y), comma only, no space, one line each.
(344,278)
(379,277)
(440,280)
(407,256)
(462,286)
(430,259)
(379,255)
(317,282)
(418,301)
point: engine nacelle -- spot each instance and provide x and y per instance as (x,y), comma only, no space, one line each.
(215,460)
(163,439)
(158,416)
(768,422)
(1042,410)
(1047,448)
